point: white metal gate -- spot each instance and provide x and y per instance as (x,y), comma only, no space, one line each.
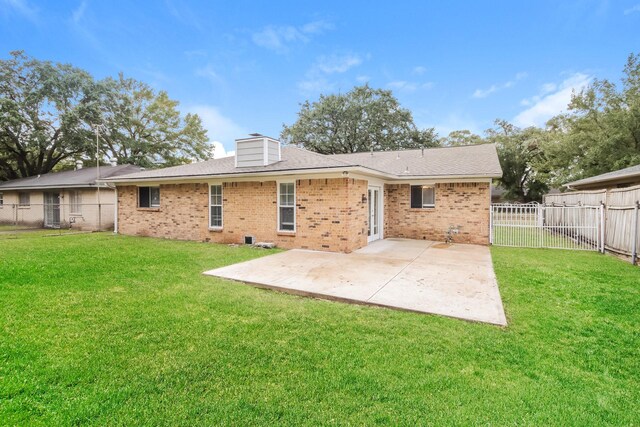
(543,226)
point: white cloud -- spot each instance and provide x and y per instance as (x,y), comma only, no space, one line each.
(406,86)
(317,27)
(19,7)
(209,73)
(184,14)
(219,151)
(632,9)
(419,70)
(316,79)
(363,78)
(332,64)
(78,13)
(220,129)
(552,100)
(483,93)
(280,38)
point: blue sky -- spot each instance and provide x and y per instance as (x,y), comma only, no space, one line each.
(246,66)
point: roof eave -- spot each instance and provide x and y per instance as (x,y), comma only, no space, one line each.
(590,181)
(359,169)
(49,187)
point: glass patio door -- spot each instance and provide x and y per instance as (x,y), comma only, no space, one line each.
(374,214)
(52,210)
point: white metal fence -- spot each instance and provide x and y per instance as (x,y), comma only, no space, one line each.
(541,226)
(81,216)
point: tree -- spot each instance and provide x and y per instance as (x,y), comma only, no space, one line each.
(601,131)
(518,150)
(48,113)
(362,119)
(461,137)
(145,128)
(44,108)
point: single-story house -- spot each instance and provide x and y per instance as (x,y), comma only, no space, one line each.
(622,178)
(301,199)
(62,199)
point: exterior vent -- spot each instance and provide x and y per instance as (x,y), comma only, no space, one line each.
(258,150)
(249,240)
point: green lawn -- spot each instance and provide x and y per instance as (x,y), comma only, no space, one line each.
(112,330)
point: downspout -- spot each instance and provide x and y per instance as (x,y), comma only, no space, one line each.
(115,208)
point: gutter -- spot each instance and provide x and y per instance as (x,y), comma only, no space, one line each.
(357,169)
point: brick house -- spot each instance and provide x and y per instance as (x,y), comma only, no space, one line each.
(66,199)
(300,199)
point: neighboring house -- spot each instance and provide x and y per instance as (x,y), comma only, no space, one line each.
(300,199)
(617,179)
(497,193)
(62,199)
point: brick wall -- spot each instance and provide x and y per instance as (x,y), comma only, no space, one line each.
(330,214)
(463,204)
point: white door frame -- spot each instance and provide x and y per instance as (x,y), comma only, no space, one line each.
(371,236)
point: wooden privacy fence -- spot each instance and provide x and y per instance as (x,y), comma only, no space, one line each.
(621,215)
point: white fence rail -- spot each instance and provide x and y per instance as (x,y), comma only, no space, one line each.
(541,226)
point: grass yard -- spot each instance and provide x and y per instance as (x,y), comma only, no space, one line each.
(112,330)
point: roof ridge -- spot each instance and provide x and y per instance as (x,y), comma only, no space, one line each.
(415,149)
(319,154)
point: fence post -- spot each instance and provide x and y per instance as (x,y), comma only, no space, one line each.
(490,221)
(602,225)
(634,243)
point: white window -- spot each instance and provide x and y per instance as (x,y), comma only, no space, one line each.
(75,202)
(24,198)
(215,206)
(148,197)
(287,206)
(423,196)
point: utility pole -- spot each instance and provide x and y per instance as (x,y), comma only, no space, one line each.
(97,129)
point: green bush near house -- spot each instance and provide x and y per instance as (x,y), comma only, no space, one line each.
(112,330)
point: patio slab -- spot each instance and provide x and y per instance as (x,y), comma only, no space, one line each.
(451,280)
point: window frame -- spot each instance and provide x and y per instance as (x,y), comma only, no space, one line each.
(422,204)
(28,196)
(1,199)
(75,201)
(279,206)
(211,205)
(151,205)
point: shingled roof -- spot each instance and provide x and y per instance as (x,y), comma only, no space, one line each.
(80,178)
(471,160)
(468,161)
(623,174)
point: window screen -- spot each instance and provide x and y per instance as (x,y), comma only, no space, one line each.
(287,206)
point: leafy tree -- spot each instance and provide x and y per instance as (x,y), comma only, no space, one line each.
(601,131)
(518,151)
(362,119)
(461,137)
(145,128)
(44,108)
(48,113)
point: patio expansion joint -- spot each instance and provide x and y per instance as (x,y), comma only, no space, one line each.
(398,273)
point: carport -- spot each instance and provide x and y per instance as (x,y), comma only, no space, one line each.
(453,280)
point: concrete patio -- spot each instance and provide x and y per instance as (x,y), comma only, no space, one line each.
(451,280)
